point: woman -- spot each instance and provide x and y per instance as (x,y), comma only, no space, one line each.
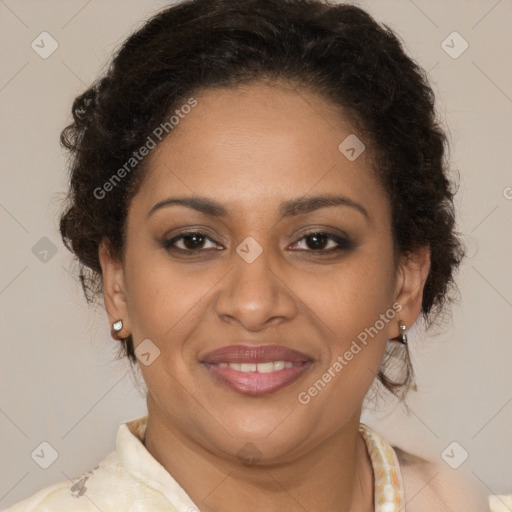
(259,192)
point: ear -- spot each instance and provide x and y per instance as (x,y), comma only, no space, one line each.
(114,290)
(412,274)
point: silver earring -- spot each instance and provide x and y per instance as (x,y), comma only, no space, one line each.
(117,326)
(402,336)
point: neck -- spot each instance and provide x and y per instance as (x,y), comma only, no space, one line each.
(337,475)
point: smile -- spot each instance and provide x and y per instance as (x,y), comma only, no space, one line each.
(256,370)
(271,366)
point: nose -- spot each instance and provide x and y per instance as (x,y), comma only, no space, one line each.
(256,293)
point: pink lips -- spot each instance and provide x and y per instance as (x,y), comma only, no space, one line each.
(253,382)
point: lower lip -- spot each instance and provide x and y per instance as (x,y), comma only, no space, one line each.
(254,383)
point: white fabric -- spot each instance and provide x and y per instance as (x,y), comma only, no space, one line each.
(128,479)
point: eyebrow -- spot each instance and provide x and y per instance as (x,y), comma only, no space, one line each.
(290,208)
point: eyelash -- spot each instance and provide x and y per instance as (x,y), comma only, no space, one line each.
(343,243)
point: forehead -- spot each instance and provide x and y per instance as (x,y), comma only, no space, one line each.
(259,141)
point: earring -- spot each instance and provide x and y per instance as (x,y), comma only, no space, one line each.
(402,335)
(117,326)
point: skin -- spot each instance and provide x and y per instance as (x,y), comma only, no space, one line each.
(251,149)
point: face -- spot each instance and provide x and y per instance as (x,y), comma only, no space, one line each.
(257,262)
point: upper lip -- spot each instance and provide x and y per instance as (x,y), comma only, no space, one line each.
(254,354)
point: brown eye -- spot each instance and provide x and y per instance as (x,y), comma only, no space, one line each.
(190,242)
(324,242)
(317,242)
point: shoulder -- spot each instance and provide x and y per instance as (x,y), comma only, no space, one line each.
(435,487)
(76,494)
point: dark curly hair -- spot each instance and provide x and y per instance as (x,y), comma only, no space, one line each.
(335,50)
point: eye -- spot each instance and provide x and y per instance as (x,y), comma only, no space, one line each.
(315,241)
(192,241)
(319,242)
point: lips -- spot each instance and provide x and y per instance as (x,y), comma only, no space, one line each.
(254,354)
(256,370)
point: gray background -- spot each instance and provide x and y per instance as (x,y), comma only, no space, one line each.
(60,383)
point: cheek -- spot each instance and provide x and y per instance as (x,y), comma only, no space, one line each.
(355,341)
(353,295)
(355,309)
(167,300)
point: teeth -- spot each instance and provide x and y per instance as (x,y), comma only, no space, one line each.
(268,367)
(265,367)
